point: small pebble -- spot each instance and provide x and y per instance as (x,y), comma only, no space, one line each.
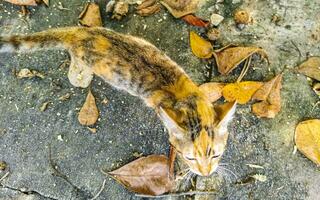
(216,19)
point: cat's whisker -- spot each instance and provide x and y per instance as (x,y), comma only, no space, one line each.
(224,174)
(228,170)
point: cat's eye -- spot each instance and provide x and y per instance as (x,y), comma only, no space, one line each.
(215,156)
(188,158)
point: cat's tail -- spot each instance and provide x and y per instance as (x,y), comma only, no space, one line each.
(53,38)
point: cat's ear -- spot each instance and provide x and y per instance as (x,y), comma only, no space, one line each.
(172,126)
(225,114)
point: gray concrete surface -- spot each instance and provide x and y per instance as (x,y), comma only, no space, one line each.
(126,125)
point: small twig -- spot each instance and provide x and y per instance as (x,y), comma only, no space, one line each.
(4,176)
(100,191)
(177,194)
(172,158)
(297,48)
(244,69)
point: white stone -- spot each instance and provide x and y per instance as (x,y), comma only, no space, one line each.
(216,19)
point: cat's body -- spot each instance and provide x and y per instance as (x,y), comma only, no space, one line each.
(135,65)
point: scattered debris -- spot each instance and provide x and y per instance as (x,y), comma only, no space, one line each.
(199,46)
(230,56)
(242,17)
(269,95)
(311,68)
(105,101)
(27,73)
(212,90)
(65,97)
(195,21)
(100,191)
(23,2)
(146,175)
(213,34)
(240,92)
(3,165)
(121,8)
(60,138)
(89,112)
(307,139)
(316,88)
(255,166)
(92,130)
(260,177)
(216,19)
(44,106)
(137,155)
(90,15)
(110,6)
(148,7)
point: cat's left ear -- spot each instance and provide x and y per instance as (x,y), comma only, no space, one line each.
(225,114)
(168,120)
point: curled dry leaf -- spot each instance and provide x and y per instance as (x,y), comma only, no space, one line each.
(148,7)
(311,68)
(23,2)
(180,8)
(27,73)
(121,8)
(90,16)
(212,90)
(146,175)
(269,95)
(240,92)
(89,112)
(195,21)
(307,139)
(230,57)
(199,46)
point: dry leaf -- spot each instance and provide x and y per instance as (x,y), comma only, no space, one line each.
(121,8)
(195,21)
(270,96)
(230,57)
(180,8)
(89,112)
(27,73)
(311,68)
(148,7)
(80,75)
(46,2)
(212,90)
(307,139)
(240,92)
(23,2)
(146,175)
(90,16)
(199,46)
(44,106)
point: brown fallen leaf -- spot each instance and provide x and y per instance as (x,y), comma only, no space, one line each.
(180,8)
(146,175)
(240,92)
(307,139)
(230,57)
(199,46)
(80,75)
(89,112)
(270,96)
(310,68)
(121,8)
(212,90)
(148,7)
(90,15)
(195,21)
(23,2)
(46,2)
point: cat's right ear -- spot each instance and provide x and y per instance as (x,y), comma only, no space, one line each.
(172,126)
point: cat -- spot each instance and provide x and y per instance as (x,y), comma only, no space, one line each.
(196,131)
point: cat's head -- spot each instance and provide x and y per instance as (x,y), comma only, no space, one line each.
(198,132)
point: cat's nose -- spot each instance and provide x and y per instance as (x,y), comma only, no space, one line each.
(205,171)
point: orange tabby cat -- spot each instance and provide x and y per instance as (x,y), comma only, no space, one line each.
(135,65)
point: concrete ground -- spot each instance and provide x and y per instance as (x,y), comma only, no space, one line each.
(127,126)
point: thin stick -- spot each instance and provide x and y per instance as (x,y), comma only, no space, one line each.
(177,194)
(297,48)
(100,191)
(4,176)
(244,69)
(172,158)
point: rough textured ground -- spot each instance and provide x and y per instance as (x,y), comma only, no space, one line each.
(126,125)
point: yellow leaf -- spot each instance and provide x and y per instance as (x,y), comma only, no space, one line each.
(311,68)
(307,139)
(90,15)
(240,92)
(212,90)
(89,112)
(199,46)
(230,57)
